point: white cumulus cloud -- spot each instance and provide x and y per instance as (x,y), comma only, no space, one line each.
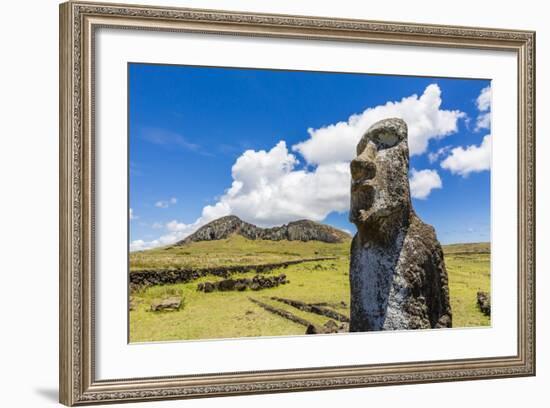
(471,159)
(138,245)
(422,183)
(267,190)
(175,226)
(174,232)
(166,203)
(132,215)
(425,120)
(272,187)
(434,156)
(483,121)
(483,103)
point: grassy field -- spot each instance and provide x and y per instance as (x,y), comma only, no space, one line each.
(468,266)
(233,251)
(232,314)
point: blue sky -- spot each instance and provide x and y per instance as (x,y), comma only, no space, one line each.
(271,146)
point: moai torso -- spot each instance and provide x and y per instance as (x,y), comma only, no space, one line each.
(397,272)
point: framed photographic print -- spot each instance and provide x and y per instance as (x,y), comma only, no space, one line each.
(258,203)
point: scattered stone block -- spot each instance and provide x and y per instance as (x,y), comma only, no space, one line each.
(168,304)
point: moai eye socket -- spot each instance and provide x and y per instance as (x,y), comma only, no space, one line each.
(384,134)
(385,138)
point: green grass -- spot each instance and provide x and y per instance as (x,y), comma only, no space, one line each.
(468,272)
(470,248)
(232,251)
(232,314)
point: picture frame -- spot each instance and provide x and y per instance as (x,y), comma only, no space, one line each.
(79,23)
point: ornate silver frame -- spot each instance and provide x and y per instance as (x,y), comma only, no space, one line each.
(78,22)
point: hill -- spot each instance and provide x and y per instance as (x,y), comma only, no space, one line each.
(302,230)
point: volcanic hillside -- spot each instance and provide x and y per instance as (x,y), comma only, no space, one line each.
(302,230)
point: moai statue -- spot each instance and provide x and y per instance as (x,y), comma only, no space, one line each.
(397,271)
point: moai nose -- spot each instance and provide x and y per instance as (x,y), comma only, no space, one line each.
(362,169)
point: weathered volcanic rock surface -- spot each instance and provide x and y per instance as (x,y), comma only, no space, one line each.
(484,302)
(397,271)
(169,304)
(257,282)
(302,230)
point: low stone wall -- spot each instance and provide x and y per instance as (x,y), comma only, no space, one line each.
(258,282)
(166,276)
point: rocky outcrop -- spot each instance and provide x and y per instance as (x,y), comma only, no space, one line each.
(484,303)
(397,271)
(303,230)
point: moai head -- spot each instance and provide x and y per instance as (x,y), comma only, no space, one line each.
(380,193)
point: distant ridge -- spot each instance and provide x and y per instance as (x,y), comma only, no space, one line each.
(302,230)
